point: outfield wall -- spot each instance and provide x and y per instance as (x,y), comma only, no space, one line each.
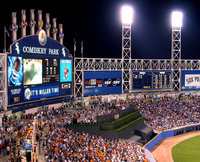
(171,133)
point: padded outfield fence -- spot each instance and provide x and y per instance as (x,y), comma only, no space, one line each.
(170,133)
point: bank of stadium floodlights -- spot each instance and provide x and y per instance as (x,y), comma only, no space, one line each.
(126,19)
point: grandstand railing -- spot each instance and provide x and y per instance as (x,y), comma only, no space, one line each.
(171,133)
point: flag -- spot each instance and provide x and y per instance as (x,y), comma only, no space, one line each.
(82,49)
(74,46)
(6,31)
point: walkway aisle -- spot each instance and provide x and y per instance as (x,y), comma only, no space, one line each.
(33,141)
(40,150)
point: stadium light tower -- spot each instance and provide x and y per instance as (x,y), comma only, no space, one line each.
(176,22)
(126,18)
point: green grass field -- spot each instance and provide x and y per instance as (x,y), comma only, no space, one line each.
(187,151)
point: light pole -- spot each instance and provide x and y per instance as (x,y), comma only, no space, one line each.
(126,18)
(176,22)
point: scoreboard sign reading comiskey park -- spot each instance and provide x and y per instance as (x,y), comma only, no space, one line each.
(39,68)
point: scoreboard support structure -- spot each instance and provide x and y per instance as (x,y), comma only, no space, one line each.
(126,58)
(176,58)
(3,83)
(105,64)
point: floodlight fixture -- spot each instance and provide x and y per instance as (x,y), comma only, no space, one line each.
(126,15)
(176,18)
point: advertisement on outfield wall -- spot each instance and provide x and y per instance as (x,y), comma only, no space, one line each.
(102,82)
(38,71)
(190,80)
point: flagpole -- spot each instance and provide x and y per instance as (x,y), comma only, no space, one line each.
(4,40)
(82,49)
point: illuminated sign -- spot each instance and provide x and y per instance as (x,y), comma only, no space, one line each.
(112,82)
(41,92)
(36,45)
(15,71)
(39,68)
(91,83)
(65,70)
(192,80)
(151,80)
(102,82)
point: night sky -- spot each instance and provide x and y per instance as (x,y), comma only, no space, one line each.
(97,23)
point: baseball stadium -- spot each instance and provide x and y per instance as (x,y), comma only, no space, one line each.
(58,107)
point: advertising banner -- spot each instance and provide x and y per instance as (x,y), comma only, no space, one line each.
(41,92)
(102,82)
(190,80)
(15,71)
(65,70)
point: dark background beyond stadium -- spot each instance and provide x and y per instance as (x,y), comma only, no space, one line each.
(97,23)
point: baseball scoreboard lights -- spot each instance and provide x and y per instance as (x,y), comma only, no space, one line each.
(39,67)
(151,80)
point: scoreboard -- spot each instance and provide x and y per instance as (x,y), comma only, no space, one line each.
(151,80)
(38,71)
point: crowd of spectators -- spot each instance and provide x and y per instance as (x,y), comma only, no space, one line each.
(170,112)
(63,144)
(12,135)
(88,114)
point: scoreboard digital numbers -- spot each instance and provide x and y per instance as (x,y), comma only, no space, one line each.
(51,71)
(161,80)
(151,80)
(142,80)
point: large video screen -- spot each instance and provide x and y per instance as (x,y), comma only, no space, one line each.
(190,80)
(102,82)
(32,71)
(151,80)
